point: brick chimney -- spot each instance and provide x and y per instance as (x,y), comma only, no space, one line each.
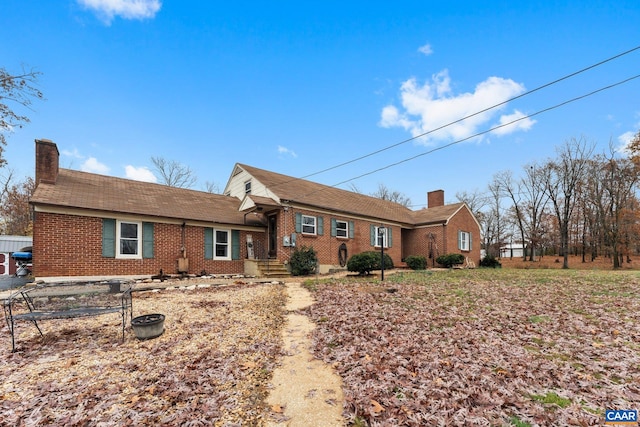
(47,157)
(435,198)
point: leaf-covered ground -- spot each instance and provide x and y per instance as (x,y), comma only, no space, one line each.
(483,347)
(462,347)
(210,367)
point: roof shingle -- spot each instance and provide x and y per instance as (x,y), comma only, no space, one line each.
(75,189)
(82,190)
(326,197)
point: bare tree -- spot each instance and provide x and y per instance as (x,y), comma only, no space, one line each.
(16,90)
(385,193)
(211,187)
(511,189)
(562,178)
(15,217)
(611,190)
(174,174)
(489,231)
(495,213)
(537,199)
(475,201)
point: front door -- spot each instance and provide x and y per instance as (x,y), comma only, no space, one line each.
(273,236)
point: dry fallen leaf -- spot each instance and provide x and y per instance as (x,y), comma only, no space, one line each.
(471,348)
(202,368)
(376,407)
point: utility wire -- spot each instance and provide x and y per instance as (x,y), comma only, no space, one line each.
(529,92)
(373,153)
(442,147)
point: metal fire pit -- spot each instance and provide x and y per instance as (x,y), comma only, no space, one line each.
(148,326)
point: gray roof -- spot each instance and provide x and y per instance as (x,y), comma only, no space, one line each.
(14,243)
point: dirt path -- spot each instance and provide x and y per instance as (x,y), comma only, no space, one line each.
(307,392)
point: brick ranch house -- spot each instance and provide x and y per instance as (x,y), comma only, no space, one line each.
(93,225)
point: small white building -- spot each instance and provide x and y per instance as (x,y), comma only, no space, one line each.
(9,245)
(512,250)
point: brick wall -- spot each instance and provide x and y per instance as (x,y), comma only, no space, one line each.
(424,241)
(442,239)
(47,156)
(464,221)
(70,245)
(327,246)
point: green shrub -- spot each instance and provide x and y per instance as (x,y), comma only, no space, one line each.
(366,262)
(490,261)
(449,260)
(303,261)
(416,262)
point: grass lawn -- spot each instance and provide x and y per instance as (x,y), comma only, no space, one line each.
(483,347)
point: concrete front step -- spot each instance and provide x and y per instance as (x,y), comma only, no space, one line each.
(273,269)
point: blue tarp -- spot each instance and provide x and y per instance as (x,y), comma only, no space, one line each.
(24,256)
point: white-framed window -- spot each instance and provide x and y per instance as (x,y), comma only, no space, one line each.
(382,237)
(221,244)
(308,224)
(342,228)
(129,239)
(247,187)
(464,240)
(218,244)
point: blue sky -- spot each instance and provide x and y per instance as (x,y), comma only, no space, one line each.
(299,87)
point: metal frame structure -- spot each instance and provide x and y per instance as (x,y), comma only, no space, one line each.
(31,303)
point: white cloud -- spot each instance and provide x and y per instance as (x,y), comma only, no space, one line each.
(94,166)
(286,151)
(127,9)
(426,49)
(431,105)
(72,153)
(519,123)
(140,174)
(625,140)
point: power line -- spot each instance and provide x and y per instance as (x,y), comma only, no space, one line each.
(389,147)
(476,113)
(442,147)
(553,82)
